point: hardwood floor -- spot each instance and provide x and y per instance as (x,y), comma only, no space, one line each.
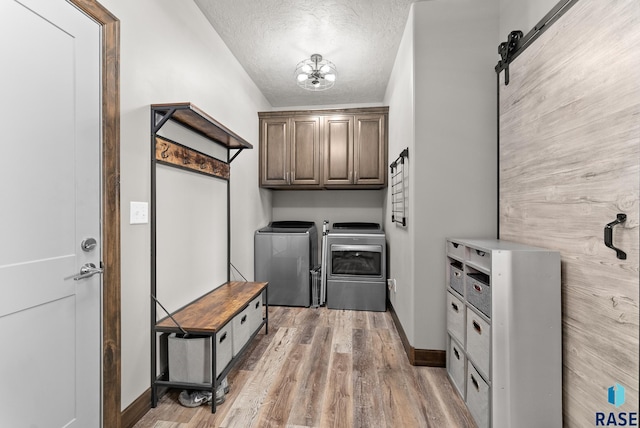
(324,368)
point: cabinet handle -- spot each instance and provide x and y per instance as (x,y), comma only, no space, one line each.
(455,245)
(454,306)
(223,337)
(477,327)
(608,236)
(477,288)
(244,318)
(480,253)
(257,305)
(457,274)
(456,353)
(475,383)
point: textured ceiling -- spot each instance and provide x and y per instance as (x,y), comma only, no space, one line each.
(270,37)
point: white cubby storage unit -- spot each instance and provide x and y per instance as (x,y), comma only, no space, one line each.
(504,353)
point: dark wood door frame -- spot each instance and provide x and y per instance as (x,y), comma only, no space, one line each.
(110,53)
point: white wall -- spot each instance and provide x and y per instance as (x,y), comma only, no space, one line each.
(455,144)
(452,153)
(400,240)
(170,53)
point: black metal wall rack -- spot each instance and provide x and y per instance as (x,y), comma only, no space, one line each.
(176,155)
(399,189)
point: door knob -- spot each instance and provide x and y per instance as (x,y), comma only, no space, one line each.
(86,271)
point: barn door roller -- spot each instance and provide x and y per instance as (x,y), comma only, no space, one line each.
(506,51)
(517,42)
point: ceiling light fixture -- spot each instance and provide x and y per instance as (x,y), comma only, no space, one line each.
(315,73)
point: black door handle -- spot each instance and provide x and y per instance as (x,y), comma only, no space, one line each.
(608,236)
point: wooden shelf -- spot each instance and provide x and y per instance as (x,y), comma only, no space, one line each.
(198,121)
(212,311)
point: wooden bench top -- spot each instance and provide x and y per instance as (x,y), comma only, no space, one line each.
(211,312)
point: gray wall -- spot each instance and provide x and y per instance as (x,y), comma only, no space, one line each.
(170,53)
(452,154)
(400,97)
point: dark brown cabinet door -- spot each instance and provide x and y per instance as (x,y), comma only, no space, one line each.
(305,150)
(338,150)
(316,149)
(274,152)
(370,150)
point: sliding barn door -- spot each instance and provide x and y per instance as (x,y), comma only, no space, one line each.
(569,164)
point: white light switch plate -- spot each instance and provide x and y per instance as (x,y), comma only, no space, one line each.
(139,213)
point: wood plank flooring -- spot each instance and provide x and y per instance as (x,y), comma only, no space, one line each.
(324,368)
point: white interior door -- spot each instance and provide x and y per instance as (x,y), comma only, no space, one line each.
(50,326)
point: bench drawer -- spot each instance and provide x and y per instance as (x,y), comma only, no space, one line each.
(190,357)
(255,313)
(241,329)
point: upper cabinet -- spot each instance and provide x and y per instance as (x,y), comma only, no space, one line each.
(338,150)
(290,151)
(370,150)
(274,152)
(305,151)
(324,149)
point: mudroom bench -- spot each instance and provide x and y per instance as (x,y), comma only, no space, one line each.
(210,333)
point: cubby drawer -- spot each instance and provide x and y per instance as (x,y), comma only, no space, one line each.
(456,278)
(479,292)
(455,249)
(480,258)
(255,313)
(478,392)
(455,317)
(456,365)
(241,329)
(478,341)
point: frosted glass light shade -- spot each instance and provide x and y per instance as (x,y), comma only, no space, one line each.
(315,73)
